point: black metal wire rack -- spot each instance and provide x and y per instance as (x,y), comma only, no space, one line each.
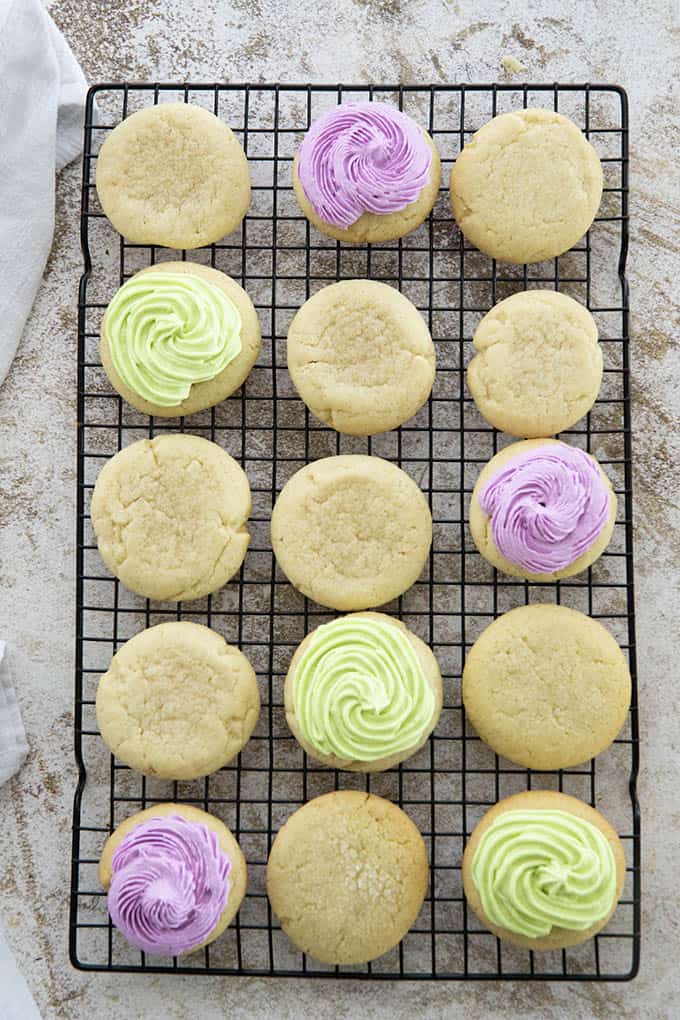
(445,788)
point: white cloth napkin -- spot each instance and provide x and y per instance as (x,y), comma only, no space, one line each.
(13,745)
(16,1002)
(42,98)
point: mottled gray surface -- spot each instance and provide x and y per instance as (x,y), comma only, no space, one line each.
(635,44)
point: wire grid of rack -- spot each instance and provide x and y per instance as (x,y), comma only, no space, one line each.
(448,785)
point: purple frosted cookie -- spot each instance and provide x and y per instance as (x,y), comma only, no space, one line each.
(542,510)
(175,877)
(366,172)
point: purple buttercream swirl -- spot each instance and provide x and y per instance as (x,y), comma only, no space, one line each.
(362,157)
(170,884)
(547,506)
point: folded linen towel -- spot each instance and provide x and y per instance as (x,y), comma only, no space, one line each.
(41,118)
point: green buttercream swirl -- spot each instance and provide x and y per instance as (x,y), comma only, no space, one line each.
(167,331)
(539,869)
(360,692)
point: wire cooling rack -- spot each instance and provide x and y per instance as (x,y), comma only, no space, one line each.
(451,782)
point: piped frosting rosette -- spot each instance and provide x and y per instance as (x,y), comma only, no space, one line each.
(362,157)
(169,886)
(547,506)
(168,331)
(360,692)
(539,869)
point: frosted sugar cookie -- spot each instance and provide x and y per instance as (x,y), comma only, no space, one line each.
(178,337)
(366,172)
(175,877)
(543,870)
(542,510)
(362,693)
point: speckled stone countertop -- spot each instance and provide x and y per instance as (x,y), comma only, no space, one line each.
(636,45)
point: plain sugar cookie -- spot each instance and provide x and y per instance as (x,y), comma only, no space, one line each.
(175,877)
(362,693)
(546,687)
(181,330)
(346,876)
(542,509)
(173,175)
(538,366)
(177,701)
(170,517)
(361,357)
(527,186)
(351,532)
(543,860)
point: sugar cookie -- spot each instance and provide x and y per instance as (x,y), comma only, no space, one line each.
(170,517)
(546,687)
(346,876)
(538,366)
(351,532)
(177,701)
(361,357)
(527,186)
(173,175)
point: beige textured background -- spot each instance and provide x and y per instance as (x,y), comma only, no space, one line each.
(634,43)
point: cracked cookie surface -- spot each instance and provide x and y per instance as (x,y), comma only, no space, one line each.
(538,366)
(177,701)
(361,357)
(351,532)
(346,876)
(546,687)
(173,175)
(170,517)
(527,186)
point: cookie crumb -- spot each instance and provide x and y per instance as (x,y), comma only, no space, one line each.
(512,65)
